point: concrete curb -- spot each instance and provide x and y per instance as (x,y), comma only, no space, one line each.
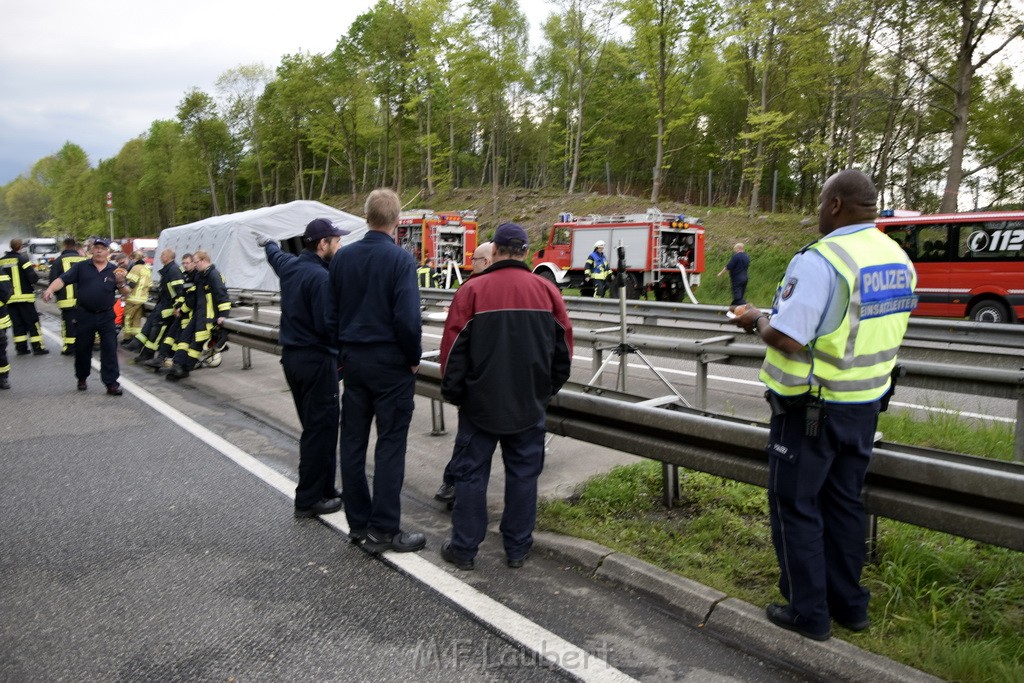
(727,618)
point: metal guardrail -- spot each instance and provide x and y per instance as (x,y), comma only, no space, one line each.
(967,496)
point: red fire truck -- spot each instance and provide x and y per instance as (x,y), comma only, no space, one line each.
(658,248)
(448,238)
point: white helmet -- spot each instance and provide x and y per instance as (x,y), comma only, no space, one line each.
(599,244)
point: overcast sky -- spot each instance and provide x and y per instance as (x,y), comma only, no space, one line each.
(98,74)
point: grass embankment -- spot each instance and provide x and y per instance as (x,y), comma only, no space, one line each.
(949,606)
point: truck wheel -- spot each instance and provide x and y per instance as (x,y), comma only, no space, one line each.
(990,311)
(547,275)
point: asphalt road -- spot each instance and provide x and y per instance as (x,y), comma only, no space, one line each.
(132,548)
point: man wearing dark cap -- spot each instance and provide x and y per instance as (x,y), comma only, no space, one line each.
(309,356)
(374,293)
(96,282)
(506,350)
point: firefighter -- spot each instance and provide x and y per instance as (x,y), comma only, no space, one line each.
(181,314)
(596,270)
(140,277)
(5,322)
(212,306)
(425,275)
(66,297)
(22,304)
(172,284)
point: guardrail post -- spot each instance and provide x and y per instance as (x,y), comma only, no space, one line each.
(670,484)
(871,538)
(1018,429)
(597,358)
(700,381)
(246,358)
(437,418)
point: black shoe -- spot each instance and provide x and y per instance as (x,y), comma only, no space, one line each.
(357,536)
(402,542)
(22,352)
(114,389)
(854,625)
(449,556)
(517,562)
(4,383)
(157,362)
(40,351)
(82,386)
(177,372)
(445,494)
(70,351)
(132,345)
(324,506)
(781,616)
(143,357)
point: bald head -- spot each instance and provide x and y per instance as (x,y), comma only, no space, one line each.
(848,197)
(483,257)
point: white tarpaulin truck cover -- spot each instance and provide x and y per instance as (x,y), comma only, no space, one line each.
(231,239)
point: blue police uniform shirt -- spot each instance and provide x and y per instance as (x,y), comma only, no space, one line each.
(375,294)
(306,318)
(95,288)
(812,299)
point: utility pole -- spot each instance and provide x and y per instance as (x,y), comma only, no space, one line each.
(110,213)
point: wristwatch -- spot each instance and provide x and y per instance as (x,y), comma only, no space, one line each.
(755,329)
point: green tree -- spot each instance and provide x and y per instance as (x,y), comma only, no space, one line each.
(202,126)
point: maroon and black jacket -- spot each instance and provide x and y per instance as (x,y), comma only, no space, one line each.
(506,349)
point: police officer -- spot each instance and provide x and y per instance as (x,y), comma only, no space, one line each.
(596,270)
(5,323)
(373,289)
(210,307)
(837,322)
(506,350)
(66,297)
(171,285)
(22,304)
(96,282)
(309,356)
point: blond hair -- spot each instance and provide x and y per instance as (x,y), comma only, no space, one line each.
(382,209)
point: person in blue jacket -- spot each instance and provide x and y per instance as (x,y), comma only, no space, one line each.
(377,300)
(309,356)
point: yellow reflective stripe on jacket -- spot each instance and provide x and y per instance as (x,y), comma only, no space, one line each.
(139,277)
(853,363)
(21,293)
(66,297)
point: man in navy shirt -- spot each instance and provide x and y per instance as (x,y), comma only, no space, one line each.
(737,267)
(374,292)
(96,282)
(309,356)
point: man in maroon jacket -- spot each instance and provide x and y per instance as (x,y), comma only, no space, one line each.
(506,350)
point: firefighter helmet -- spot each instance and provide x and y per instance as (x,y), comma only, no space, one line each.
(599,244)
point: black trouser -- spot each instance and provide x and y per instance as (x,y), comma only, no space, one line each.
(5,366)
(153,330)
(312,376)
(25,321)
(739,291)
(379,384)
(69,327)
(89,324)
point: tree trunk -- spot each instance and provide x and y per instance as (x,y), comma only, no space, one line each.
(213,189)
(494,165)
(430,155)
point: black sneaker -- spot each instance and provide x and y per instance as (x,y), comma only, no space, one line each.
(783,617)
(401,542)
(40,351)
(517,562)
(448,555)
(324,506)
(445,494)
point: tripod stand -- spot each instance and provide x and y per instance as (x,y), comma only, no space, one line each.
(624,348)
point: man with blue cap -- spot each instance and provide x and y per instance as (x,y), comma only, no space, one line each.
(505,351)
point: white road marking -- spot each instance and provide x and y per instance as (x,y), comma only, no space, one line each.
(546,645)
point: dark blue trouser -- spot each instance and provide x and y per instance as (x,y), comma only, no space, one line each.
(312,376)
(739,292)
(88,325)
(817,515)
(523,454)
(378,384)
